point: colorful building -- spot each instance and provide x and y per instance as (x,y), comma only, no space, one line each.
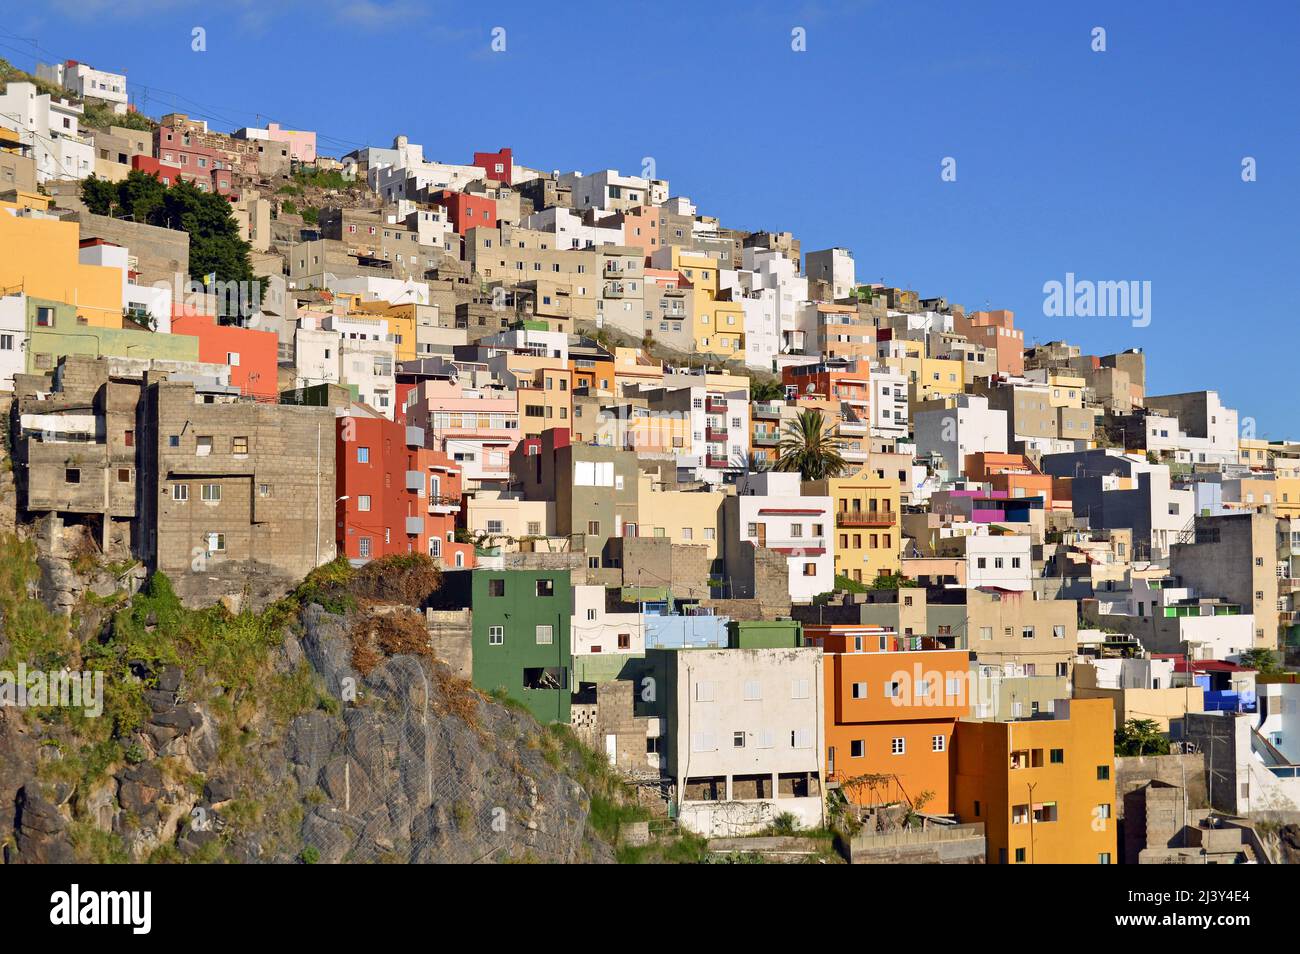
(253,355)
(890,715)
(1043,788)
(867,523)
(42,260)
(521,638)
(394,494)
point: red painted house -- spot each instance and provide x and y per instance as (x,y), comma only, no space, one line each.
(251,354)
(495,165)
(178,151)
(395,494)
(465,212)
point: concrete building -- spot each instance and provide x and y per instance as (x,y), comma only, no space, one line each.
(744,737)
(769,511)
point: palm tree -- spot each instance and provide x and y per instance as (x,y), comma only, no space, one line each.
(811,448)
(766,392)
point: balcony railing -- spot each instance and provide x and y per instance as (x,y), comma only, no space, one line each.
(766,438)
(767,412)
(715,406)
(882,518)
(442,503)
(716,433)
(716,461)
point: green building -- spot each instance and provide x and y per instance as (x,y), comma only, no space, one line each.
(53,331)
(521,638)
(764,634)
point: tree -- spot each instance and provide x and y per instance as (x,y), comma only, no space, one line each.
(765,392)
(809,447)
(215,244)
(1261,660)
(1141,737)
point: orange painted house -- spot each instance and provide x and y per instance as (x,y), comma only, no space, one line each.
(1014,473)
(890,712)
(394,494)
(251,354)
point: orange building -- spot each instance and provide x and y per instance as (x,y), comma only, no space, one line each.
(1044,788)
(995,330)
(1014,473)
(890,714)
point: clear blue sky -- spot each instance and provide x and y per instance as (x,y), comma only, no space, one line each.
(1115,166)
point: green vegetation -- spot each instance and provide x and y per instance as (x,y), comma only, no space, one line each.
(1263,661)
(1141,737)
(809,447)
(98,115)
(322,179)
(215,244)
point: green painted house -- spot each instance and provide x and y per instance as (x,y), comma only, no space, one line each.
(521,638)
(764,634)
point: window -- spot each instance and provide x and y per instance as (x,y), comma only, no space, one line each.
(737,740)
(897,745)
(128,438)
(363,455)
(173,440)
(986,632)
(123,475)
(203,446)
(1057,757)
(858,748)
(891,690)
(180,492)
(210,493)
(239,445)
(1020,856)
(1058,632)
(363,546)
(859,690)
(593,527)
(217,542)
(495,526)
(496,635)
(798,688)
(1027,632)
(496,587)
(545,587)
(1102,811)
(264,490)
(938,743)
(545,635)
(6,342)
(1103,858)
(72,475)
(363,503)
(1103,773)
(753,690)
(704,691)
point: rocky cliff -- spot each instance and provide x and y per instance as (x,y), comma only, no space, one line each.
(292,734)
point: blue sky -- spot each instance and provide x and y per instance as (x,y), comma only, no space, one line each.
(1122,165)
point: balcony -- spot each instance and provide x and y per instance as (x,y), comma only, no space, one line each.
(767,412)
(715,405)
(850,519)
(414,480)
(716,462)
(414,436)
(442,503)
(613,269)
(766,438)
(414,525)
(1287,585)
(614,290)
(716,434)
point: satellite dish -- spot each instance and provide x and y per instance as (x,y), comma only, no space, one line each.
(811,387)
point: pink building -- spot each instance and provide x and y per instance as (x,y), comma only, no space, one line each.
(476,428)
(302,142)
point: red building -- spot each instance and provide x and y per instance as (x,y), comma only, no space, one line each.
(252,355)
(465,212)
(395,494)
(495,165)
(178,151)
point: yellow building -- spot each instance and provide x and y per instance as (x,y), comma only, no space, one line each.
(1065,390)
(926,377)
(868,533)
(402,321)
(545,389)
(718,323)
(689,517)
(40,256)
(1044,789)
(1279,494)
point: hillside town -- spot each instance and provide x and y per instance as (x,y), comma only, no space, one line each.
(781,544)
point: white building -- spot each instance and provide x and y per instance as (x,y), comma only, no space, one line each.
(889,408)
(13,338)
(772,512)
(570,230)
(772,294)
(596,630)
(86,82)
(151,305)
(745,737)
(51,127)
(1004,562)
(833,266)
(351,351)
(609,191)
(967,426)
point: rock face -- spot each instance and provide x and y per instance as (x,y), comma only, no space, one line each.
(404,764)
